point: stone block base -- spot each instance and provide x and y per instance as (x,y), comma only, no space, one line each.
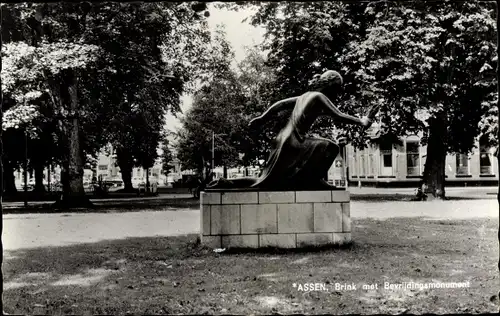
(290,219)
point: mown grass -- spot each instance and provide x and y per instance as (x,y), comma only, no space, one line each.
(175,275)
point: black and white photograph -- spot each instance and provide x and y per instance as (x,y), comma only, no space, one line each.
(250,157)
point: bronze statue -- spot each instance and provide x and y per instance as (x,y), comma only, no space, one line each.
(298,162)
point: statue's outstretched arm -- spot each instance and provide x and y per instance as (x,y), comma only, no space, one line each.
(275,108)
(344,118)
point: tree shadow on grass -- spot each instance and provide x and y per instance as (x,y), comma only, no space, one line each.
(398,233)
(284,251)
(73,258)
(176,275)
(110,207)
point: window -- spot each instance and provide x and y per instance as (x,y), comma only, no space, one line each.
(387,160)
(485,159)
(103,167)
(412,158)
(462,164)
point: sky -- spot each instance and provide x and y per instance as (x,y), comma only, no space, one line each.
(239,34)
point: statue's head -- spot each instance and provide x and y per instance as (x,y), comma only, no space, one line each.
(327,81)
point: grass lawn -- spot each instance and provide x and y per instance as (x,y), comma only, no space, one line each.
(174,275)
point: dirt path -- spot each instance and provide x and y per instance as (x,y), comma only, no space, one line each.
(41,230)
(458,209)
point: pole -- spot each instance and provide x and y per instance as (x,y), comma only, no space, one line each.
(25,167)
(344,153)
(213,152)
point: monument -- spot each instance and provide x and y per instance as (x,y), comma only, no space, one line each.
(290,204)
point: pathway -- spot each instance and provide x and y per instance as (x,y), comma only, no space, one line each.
(42,230)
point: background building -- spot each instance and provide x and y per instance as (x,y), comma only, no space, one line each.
(388,164)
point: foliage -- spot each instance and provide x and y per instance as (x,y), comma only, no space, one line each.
(421,61)
(256,79)
(304,39)
(397,55)
(150,66)
(137,57)
(429,67)
(215,111)
(25,74)
(222,108)
(167,157)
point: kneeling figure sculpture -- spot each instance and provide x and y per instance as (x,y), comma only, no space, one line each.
(299,162)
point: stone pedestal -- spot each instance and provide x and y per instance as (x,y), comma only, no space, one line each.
(282,219)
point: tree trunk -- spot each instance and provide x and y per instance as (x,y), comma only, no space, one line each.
(224,171)
(73,192)
(64,177)
(1,151)
(124,161)
(126,172)
(9,180)
(435,164)
(498,110)
(147,181)
(202,169)
(39,187)
(206,171)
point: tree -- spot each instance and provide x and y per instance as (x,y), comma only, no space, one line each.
(151,62)
(408,58)
(167,157)
(217,111)
(256,79)
(498,106)
(52,65)
(304,39)
(430,69)
(92,98)
(214,113)
(48,70)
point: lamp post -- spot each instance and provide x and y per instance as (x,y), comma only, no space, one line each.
(25,169)
(345,173)
(213,149)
